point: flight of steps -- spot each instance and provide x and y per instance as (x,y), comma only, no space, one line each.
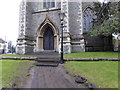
(47,59)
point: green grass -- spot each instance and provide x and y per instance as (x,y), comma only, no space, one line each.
(103,74)
(92,55)
(15,55)
(14,71)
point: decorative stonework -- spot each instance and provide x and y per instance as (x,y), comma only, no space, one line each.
(47,21)
(22,18)
(66,34)
(64,8)
(80,17)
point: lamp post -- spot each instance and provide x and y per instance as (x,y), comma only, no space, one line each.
(61,16)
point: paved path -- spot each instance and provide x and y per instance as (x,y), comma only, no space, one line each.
(51,77)
(48,76)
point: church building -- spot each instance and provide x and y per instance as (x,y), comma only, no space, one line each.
(40,27)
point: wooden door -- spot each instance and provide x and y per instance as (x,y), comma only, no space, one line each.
(48,39)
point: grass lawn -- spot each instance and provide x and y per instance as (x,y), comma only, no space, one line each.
(14,71)
(15,55)
(103,74)
(92,55)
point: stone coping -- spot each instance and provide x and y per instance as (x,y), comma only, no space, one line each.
(66,59)
(18,58)
(92,59)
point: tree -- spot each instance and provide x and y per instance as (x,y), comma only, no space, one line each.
(108,19)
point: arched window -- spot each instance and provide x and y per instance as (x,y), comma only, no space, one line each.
(88,19)
(48,4)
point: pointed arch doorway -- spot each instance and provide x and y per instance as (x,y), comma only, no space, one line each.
(48,39)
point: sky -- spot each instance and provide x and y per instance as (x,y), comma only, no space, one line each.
(9,19)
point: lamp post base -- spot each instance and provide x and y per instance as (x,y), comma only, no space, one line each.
(61,61)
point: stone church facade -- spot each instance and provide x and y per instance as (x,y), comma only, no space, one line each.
(40,28)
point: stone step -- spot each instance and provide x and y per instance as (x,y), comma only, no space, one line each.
(48,60)
(48,57)
(51,64)
(46,53)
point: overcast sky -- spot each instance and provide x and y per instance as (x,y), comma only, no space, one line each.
(9,19)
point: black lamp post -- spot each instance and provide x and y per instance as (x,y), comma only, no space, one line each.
(61,15)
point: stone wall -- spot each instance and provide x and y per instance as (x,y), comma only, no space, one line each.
(32,16)
(38,16)
(76,27)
